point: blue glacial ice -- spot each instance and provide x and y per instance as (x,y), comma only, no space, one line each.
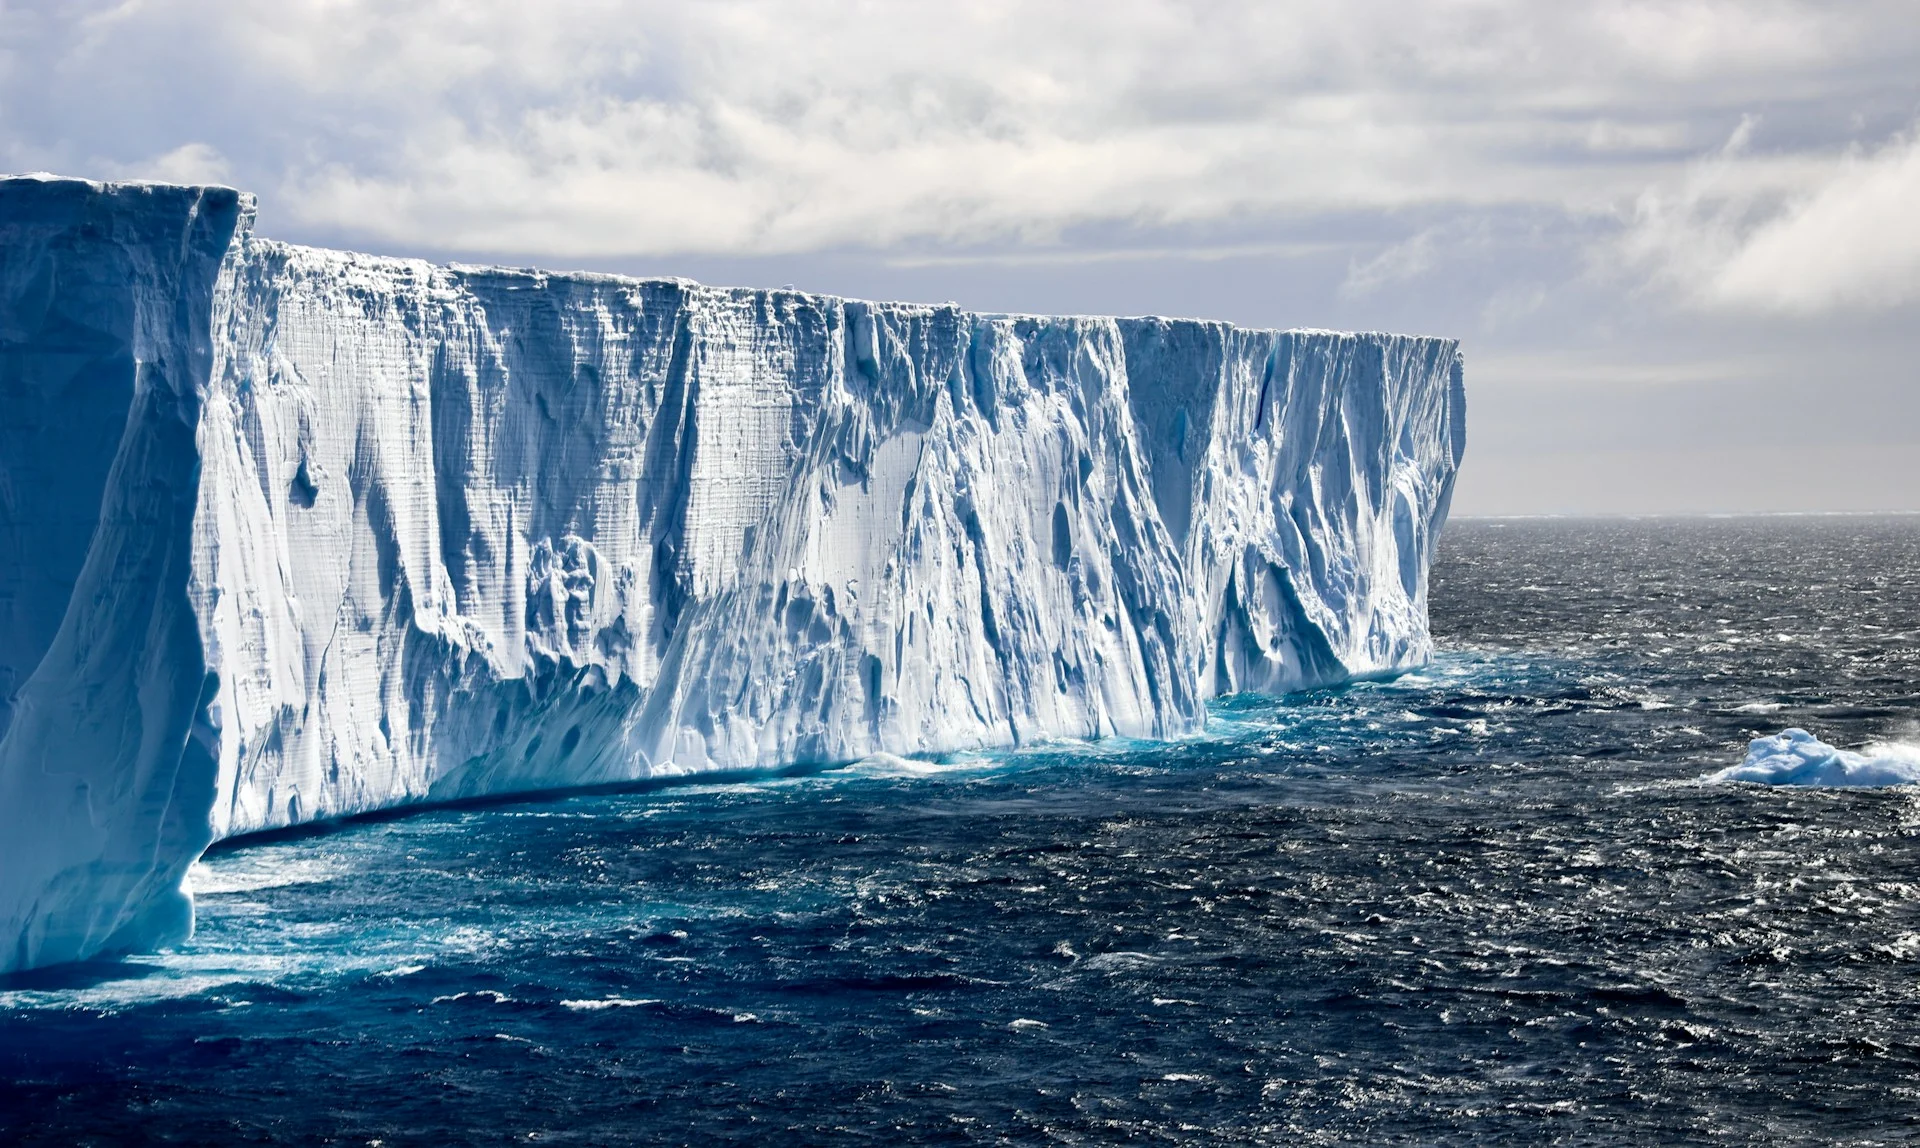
(1796,757)
(290,534)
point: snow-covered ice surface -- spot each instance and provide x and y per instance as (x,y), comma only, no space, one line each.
(1796,757)
(293,534)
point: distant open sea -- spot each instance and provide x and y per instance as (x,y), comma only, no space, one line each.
(1488,902)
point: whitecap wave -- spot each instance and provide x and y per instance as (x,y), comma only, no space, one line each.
(608,1002)
(254,870)
(893,766)
(1796,757)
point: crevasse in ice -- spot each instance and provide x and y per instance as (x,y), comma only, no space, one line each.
(290,534)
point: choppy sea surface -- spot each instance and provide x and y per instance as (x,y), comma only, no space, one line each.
(1487,902)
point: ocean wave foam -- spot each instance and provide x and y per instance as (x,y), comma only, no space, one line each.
(609,1002)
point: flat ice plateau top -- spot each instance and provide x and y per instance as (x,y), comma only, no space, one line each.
(289,534)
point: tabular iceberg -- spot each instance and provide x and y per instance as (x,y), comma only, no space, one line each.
(289,534)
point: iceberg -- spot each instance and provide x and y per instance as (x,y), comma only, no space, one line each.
(290,534)
(1796,757)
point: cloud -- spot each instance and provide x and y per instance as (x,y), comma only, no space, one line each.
(1786,234)
(1426,251)
(1397,264)
(581,128)
(1854,241)
(193,163)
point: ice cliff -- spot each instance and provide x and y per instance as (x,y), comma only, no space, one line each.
(288,534)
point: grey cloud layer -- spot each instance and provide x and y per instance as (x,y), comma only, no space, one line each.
(580,128)
(1675,235)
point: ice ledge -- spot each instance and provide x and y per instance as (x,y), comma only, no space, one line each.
(295,534)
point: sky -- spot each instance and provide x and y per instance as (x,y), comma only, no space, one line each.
(1678,241)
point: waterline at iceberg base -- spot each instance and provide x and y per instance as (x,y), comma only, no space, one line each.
(290,534)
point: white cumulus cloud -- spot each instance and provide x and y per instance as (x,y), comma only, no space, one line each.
(1796,233)
(1852,241)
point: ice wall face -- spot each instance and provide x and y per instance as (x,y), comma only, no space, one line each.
(454,531)
(106,751)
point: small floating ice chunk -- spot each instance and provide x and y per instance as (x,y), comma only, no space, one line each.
(1796,757)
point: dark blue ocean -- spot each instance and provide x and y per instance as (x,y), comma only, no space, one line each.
(1488,902)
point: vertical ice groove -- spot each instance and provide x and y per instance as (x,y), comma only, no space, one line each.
(294,534)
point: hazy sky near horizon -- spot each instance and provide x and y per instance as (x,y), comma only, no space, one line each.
(1680,241)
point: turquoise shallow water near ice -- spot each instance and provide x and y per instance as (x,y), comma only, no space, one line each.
(1490,901)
